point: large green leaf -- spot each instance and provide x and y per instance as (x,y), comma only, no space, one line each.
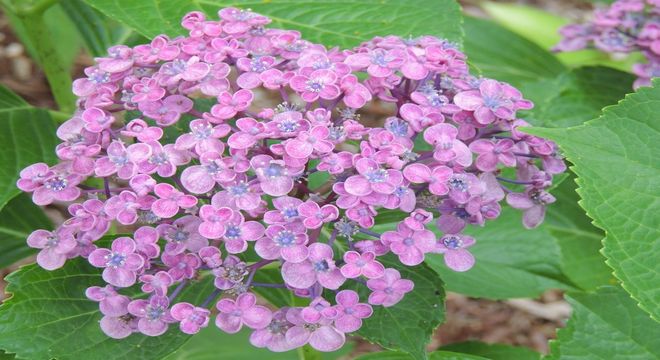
(27,136)
(408,325)
(493,351)
(511,261)
(579,241)
(606,325)
(346,23)
(48,316)
(616,160)
(97,31)
(506,56)
(17,220)
(576,96)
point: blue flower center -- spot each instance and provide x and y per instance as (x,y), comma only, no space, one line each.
(408,241)
(452,242)
(115,260)
(56,184)
(289,213)
(285,238)
(159,159)
(274,170)
(233,232)
(154,312)
(238,189)
(377,176)
(180,236)
(398,127)
(458,184)
(321,266)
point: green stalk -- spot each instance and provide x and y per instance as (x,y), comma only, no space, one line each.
(57,74)
(308,353)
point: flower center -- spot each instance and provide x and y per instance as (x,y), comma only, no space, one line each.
(452,242)
(285,238)
(377,176)
(115,260)
(56,184)
(233,232)
(321,266)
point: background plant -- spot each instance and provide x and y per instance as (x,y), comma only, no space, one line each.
(563,253)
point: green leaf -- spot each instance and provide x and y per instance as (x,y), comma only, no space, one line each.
(27,136)
(408,325)
(537,26)
(506,56)
(606,325)
(579,241)
(332,23)
(615,158)
(436,355)
(51,306)
(493,351)
(577,96)
(511,261)
(17,220)
(97,31)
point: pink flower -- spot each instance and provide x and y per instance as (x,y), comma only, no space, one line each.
(419,117)
(321,336)
(251,132)
(181,266)
(166,111)
(493,100)
(157,283)
(182,235)
(350,311)
(418,219)
(280,241)
(57,187)
(163,160)
(379,63)
(355,94)
(410,245)
(122,160)
(54,246)
(361,265)
(124,207)
(96,120)
(315,216)
(170,200)
(274,176)
(119,59)
(372,178)
(238,232)
(191,318)
(238,21)
(319,266)
(436,178)
(453,246)
(213,221)
(199,179)
(177,70)
(388,289)
(336,163)
(159,49)
(238,195)
(110,302)
(447,147)
(147,89)
(318,83)
(533,202)
(307,142)
(121,263)
(242,311)
(491,153)
(139,129)
(229,105)
(210,256)
(272,336)
(33,176)
(274,79)
(81,156)
(203,137)
(153,314)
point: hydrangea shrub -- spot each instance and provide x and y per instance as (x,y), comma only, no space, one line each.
(624,27)
(202,151)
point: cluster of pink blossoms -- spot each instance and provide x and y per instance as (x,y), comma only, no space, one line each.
(624,27)
(236,181)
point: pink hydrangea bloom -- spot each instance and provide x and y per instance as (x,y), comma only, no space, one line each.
(242,311)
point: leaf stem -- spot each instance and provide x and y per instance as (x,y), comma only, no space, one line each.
(36,9)
(308,353)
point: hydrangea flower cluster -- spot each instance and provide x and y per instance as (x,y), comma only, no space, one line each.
(625,26)
(223,190)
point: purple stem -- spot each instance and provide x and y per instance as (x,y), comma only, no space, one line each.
(369,232)
(515,181)
(267,285)
(333,237)
(106,188)
(177,291)
(526,155)
(210,298)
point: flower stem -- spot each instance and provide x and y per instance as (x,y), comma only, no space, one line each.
(308,353)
